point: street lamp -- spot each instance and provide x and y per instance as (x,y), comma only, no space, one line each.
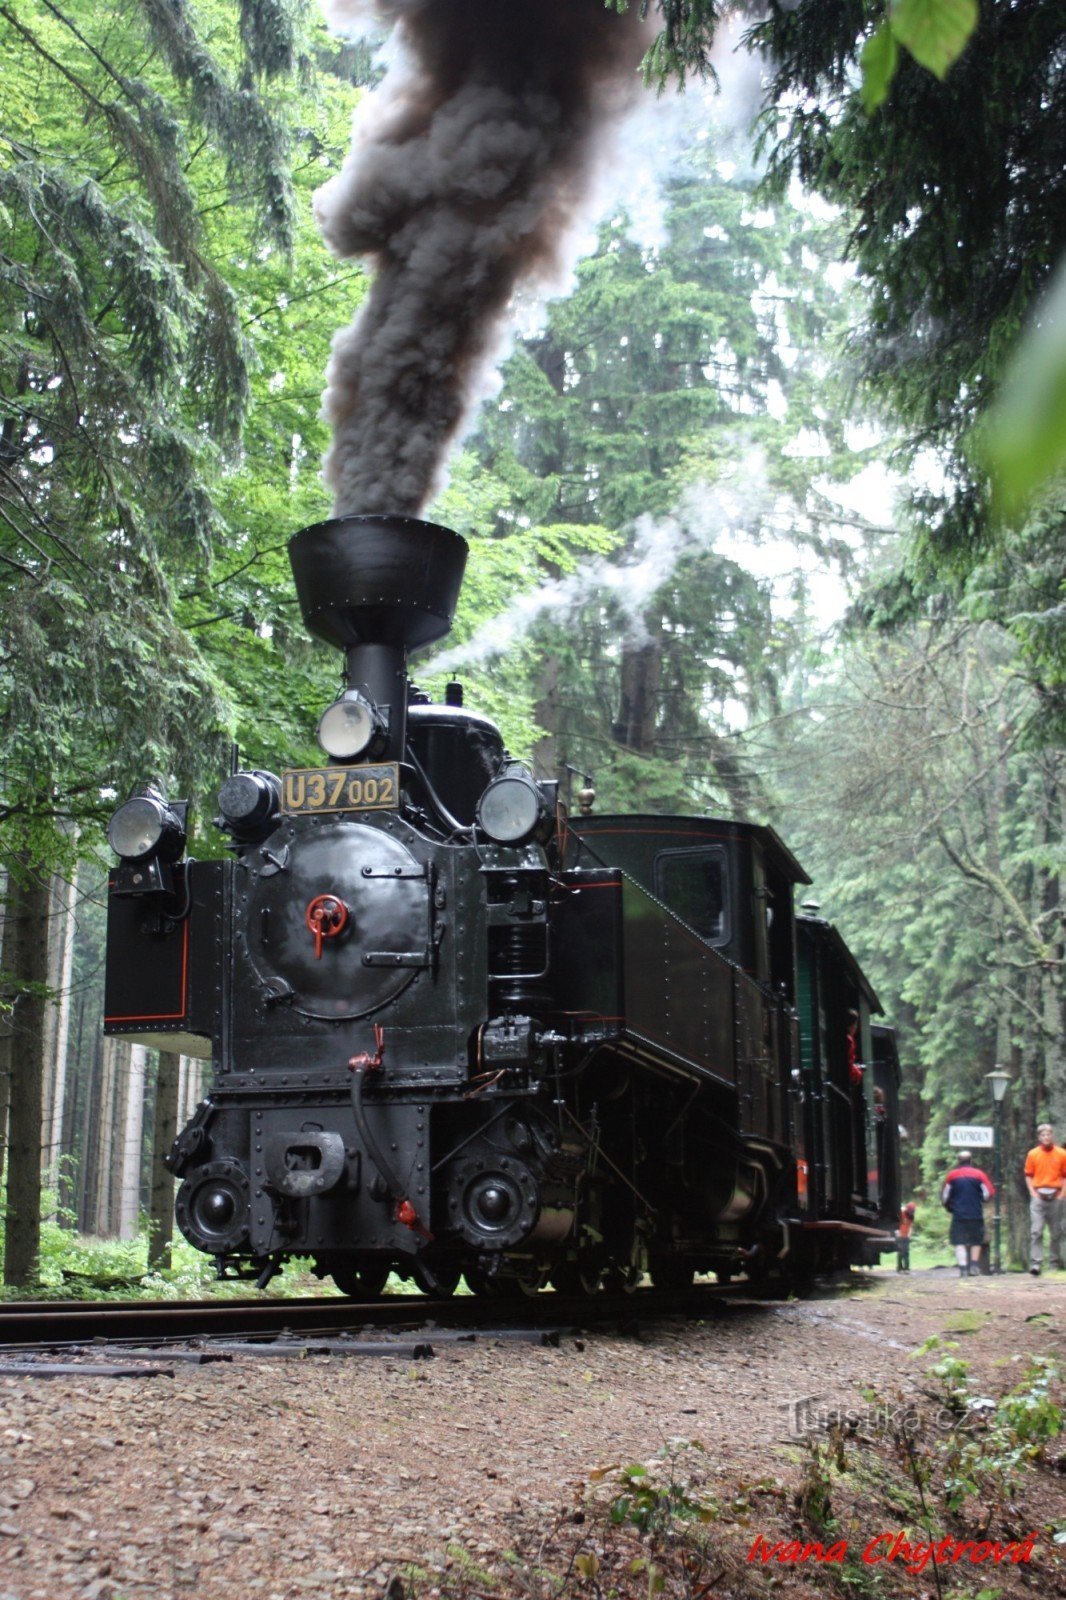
(999,1082)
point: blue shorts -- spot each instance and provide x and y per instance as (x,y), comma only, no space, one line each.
(967,1230)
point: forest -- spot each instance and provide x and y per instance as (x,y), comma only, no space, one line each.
(767,511)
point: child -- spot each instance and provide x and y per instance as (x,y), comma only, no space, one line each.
(903,1237)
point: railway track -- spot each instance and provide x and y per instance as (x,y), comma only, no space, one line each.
(43,1325)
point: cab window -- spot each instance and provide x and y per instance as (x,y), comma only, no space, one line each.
(693,884)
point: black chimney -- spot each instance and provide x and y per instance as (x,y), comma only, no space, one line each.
(377,587)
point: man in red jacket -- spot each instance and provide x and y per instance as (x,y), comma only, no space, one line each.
(966,1188)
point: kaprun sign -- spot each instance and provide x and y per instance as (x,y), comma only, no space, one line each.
(963,1138)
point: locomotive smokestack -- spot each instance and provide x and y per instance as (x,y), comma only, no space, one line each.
(378,587)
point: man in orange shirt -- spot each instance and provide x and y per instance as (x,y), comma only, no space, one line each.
(1045,1178)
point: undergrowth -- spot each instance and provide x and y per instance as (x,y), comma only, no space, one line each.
(950,1463)
(81,1266)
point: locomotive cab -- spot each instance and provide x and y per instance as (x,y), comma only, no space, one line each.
(730,882)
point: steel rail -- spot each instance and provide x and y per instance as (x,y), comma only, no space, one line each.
(45,1324)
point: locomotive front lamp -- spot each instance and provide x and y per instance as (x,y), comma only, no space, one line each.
(146,826)
(351,727)
(511,808)
(248,803)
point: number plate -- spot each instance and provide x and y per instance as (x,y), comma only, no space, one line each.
(341,789)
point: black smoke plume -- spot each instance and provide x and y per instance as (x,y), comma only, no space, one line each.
(469,168)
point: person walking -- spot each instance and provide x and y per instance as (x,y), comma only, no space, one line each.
(1045,1178)
(903,1237)
(966,1188)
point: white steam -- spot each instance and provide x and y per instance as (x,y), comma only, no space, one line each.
(706,518)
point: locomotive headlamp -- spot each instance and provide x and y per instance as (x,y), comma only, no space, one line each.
(248,803)
(511,808)
(146,826)
(352,726)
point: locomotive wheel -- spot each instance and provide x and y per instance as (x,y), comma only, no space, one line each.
(484,1286)
(531,1282)
(445,1281)
(357,1282)
(670,1272)
(622,1280)
(576,1277)
(625,1272)
(757,1271)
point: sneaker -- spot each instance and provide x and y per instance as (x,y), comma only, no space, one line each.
(1034,1272)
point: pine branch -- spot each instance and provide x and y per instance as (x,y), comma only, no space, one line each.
(972,870)
(295,299)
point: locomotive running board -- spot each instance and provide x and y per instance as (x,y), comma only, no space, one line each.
(848,1227)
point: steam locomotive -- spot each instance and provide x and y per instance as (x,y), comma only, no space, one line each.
(456,1031)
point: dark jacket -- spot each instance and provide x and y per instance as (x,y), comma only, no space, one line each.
(965,1191)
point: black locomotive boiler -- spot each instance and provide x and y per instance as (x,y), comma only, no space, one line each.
(455,1031)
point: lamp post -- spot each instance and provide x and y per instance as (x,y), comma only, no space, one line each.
(999,1082)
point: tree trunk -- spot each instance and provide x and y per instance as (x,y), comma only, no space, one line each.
(1053,991)
(71,1142)
(547,757)
(5,1095)
(29,976)
(164,1132)
(64,891)
(638,705)
(183,1090)
(7,962)
(90,1119)
(116,1144)
(192,1087)
(103,1140)
(132,1143)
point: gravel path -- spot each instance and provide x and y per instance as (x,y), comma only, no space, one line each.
(319,1477)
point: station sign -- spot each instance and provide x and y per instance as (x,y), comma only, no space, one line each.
(961,1137)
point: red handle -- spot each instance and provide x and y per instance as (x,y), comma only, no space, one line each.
(326,916)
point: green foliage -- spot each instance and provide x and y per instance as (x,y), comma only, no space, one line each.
(930,819)
(879,60)
(986,1455)
(682,46)
(955,239)
(655,1496)
(823,1459)
(147,326)
(952,1374)
(688,384)
(934,31)
(75,1266)
(1023,438)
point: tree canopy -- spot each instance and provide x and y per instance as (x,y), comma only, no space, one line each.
(149,174)
(952,178)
